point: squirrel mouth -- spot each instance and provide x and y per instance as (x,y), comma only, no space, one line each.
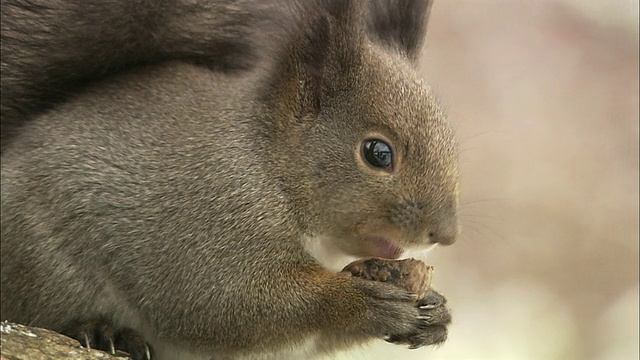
(378,246)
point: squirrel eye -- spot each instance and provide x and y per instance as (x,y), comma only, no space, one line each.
(378,154)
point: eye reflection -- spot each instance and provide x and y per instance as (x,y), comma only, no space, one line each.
(378,154)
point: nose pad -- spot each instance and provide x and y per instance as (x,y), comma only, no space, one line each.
(445,235)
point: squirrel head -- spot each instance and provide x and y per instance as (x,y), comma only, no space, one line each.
(360,142)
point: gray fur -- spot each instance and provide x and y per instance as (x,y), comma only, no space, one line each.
(53,48)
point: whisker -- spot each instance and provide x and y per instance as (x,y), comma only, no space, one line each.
(482,217)
(484,200)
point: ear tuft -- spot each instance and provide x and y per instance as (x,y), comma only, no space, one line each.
(399,24)
(326,41)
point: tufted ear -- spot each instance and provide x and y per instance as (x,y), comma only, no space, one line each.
(400,24)
(326,42)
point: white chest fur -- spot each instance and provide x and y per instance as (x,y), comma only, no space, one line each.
(326,253)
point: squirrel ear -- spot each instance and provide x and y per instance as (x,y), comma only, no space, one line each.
(323,46)
(400,24)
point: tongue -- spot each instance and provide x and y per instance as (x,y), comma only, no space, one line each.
(385,249)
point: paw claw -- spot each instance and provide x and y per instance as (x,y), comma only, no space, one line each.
(87,344)
(100,334)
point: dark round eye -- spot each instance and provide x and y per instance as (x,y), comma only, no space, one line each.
(378,154)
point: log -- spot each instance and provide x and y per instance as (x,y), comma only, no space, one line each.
(21,342)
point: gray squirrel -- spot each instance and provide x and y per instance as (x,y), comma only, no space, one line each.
(181,209)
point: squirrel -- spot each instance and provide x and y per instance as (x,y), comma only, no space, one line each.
(175,211)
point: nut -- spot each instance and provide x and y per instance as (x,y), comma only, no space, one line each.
(411,274)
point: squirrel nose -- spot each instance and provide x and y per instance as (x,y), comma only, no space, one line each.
(446,234)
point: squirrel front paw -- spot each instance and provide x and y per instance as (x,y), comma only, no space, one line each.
(99,333)
(399,318)
(434,318)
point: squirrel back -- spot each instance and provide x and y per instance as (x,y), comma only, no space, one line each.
(53,49)
(195,206)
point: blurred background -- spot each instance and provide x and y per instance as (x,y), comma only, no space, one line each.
(544,97)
